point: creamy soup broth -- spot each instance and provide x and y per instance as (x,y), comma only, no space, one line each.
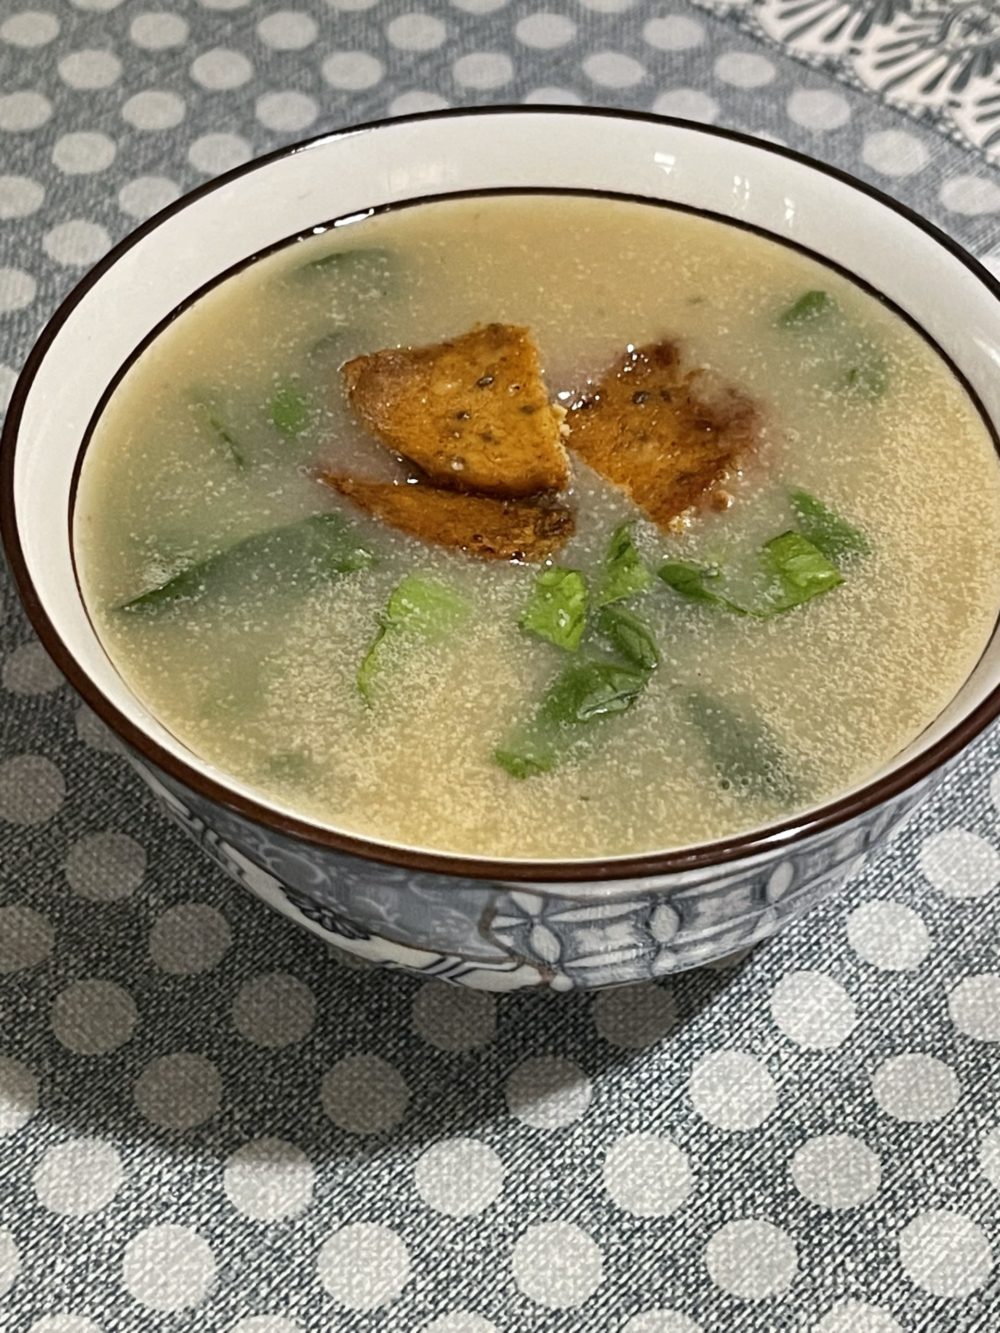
(260,679)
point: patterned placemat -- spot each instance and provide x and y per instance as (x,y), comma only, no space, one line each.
(207,1120)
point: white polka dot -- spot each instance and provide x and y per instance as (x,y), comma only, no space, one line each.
(612,69)
(857,1317)
(24,111)
(460,1321)
(483,69)
(688,104)
(661,1321)
(352,6)
(287,30)
(453,1018)
(266,1323)
(916,1088)
(17,290)
(557,1265)
(83,152)
(674,33)
(8,379)
(18,1095)
(188,939)
(10,1261)
(894,152)
(974,1007)
(168,1268)
(547,1092)
(352,70)
(970,195)
(76,243)
(411,103)
(836,1171)
(268,1179)
(223,4)
(146,195)
(459,1177)
(93,732)
(989,1147)
(813,1010)
(93,1017)
(416,32)
(158,30)
(32,28)
(154,109)
(26,938)
(30,670)
(97,6)
(732,1090)
(945,1253)
(32,789)
(178,1091)
(274,1009)
(286,110)
(552,96)
(818,109)
(90,69)
(64,1323)
(105,867)
(364,1094)
(77,1178)
(215,153)
(745,69)
(634,1016)
(608,6)
(751,1259)
(960,864)
(20,196)
(364,1266)
(545,31)
(220,70)
(888,935)
(647,1175)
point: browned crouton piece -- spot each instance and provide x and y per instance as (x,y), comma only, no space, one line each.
(471,412)
(667,435)
(479,525)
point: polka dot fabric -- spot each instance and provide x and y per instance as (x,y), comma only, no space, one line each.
(208,1119)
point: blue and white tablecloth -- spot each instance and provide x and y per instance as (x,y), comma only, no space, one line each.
(208,1121)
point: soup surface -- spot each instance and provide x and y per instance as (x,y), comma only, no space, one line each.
(748,681)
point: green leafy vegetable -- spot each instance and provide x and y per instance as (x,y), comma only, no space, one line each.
(801,571)
(625,572)
(631,636)
(298,555)
(208,415)
(743,750)
(839,540)
(583,692)
(371,266)
(416,606)
(694,582)
(868,378)
(808,307)
(557,610)
(289,410)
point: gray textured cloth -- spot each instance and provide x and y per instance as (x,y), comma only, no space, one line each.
(207,1121)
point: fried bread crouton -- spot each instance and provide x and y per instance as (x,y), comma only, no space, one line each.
(472,412)
(667,435)
(482,526)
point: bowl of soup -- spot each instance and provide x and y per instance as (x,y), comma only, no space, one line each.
(527,547)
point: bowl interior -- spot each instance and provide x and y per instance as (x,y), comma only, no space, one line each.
(187,246)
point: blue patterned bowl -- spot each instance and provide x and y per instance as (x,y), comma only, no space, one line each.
(496,925)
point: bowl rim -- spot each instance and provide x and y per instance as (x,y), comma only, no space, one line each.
(718,853)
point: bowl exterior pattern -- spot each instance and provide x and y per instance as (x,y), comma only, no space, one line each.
(495,936)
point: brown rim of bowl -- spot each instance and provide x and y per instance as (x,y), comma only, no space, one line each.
(719,853)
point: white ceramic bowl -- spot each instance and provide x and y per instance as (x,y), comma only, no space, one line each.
(509,923)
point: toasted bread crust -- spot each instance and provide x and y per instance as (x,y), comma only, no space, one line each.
(667,435)
(482,526)
(471,412)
